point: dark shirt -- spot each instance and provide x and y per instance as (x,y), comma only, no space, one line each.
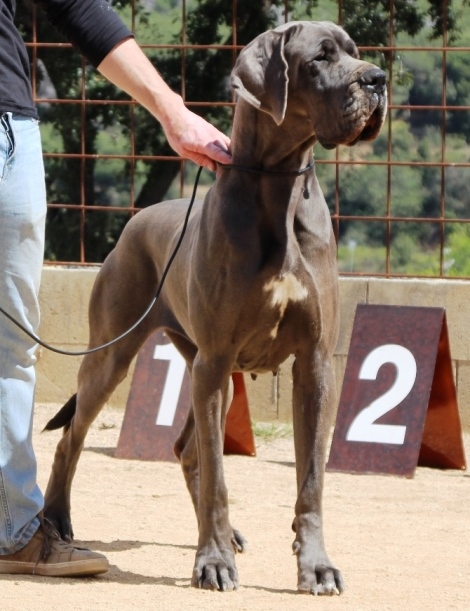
(90,25)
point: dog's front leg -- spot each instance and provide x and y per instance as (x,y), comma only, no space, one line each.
(214,567)
(314,391)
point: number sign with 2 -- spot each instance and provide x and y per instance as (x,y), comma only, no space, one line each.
(398,405)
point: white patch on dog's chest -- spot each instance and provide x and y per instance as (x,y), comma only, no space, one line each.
(282,291)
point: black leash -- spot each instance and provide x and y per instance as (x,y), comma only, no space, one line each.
(144,315)
(240,168)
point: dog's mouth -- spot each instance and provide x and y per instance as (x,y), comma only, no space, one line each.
(373,125)
(363,121)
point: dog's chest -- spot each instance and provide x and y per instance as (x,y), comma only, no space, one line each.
(279,317)
(278,293)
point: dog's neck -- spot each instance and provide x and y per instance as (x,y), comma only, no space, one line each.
(270,208)
(285,148)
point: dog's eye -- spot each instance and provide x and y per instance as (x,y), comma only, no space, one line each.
(321,57)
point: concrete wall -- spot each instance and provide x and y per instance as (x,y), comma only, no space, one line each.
(64,303)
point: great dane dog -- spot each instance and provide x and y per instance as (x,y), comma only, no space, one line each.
(255,280)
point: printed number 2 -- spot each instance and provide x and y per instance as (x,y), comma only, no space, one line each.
(173,382)
(364,427)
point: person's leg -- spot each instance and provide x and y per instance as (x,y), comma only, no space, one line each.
(22,218)
(29,544)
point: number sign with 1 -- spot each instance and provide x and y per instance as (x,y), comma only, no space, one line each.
(159,401)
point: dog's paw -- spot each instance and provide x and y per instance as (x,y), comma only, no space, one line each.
(317,577)
(322,581)
(215,571)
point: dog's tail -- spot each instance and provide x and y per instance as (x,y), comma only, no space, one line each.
(64,415)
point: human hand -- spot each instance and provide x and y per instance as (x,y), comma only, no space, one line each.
(192,137)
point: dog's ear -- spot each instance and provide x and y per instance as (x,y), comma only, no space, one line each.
(260,74)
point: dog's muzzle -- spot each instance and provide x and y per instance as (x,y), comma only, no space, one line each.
(373,83)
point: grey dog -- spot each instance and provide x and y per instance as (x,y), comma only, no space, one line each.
(255,281)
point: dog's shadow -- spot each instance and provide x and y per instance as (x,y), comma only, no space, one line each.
(105,450)
(122,577)
(117,575)
(122,546)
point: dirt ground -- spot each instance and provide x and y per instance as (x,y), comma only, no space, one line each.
(401,543)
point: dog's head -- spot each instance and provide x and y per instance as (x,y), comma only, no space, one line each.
(313,70)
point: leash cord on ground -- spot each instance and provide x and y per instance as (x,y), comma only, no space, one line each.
(144,315)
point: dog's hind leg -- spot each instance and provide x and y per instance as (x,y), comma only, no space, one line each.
(111,312)
(185,446)
(186,452)
(99,375)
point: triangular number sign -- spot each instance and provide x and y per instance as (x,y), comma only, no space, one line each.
(398,405)
(159,401)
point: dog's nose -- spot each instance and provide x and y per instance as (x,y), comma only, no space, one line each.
(374,80)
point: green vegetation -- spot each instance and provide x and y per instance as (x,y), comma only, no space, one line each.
(268,431)
(423,192)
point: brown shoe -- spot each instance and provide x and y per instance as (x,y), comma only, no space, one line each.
(48,555)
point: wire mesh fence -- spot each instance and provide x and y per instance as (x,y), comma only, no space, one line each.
(400,205)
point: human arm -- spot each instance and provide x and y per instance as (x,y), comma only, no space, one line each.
(98,32)
(127,67)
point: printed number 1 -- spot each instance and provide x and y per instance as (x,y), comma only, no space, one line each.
(173,383)
(364,427)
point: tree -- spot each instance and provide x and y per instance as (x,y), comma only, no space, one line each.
(109,127)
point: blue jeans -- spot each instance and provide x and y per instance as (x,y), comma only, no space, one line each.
(22,220)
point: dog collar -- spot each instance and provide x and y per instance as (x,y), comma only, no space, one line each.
(245,168)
